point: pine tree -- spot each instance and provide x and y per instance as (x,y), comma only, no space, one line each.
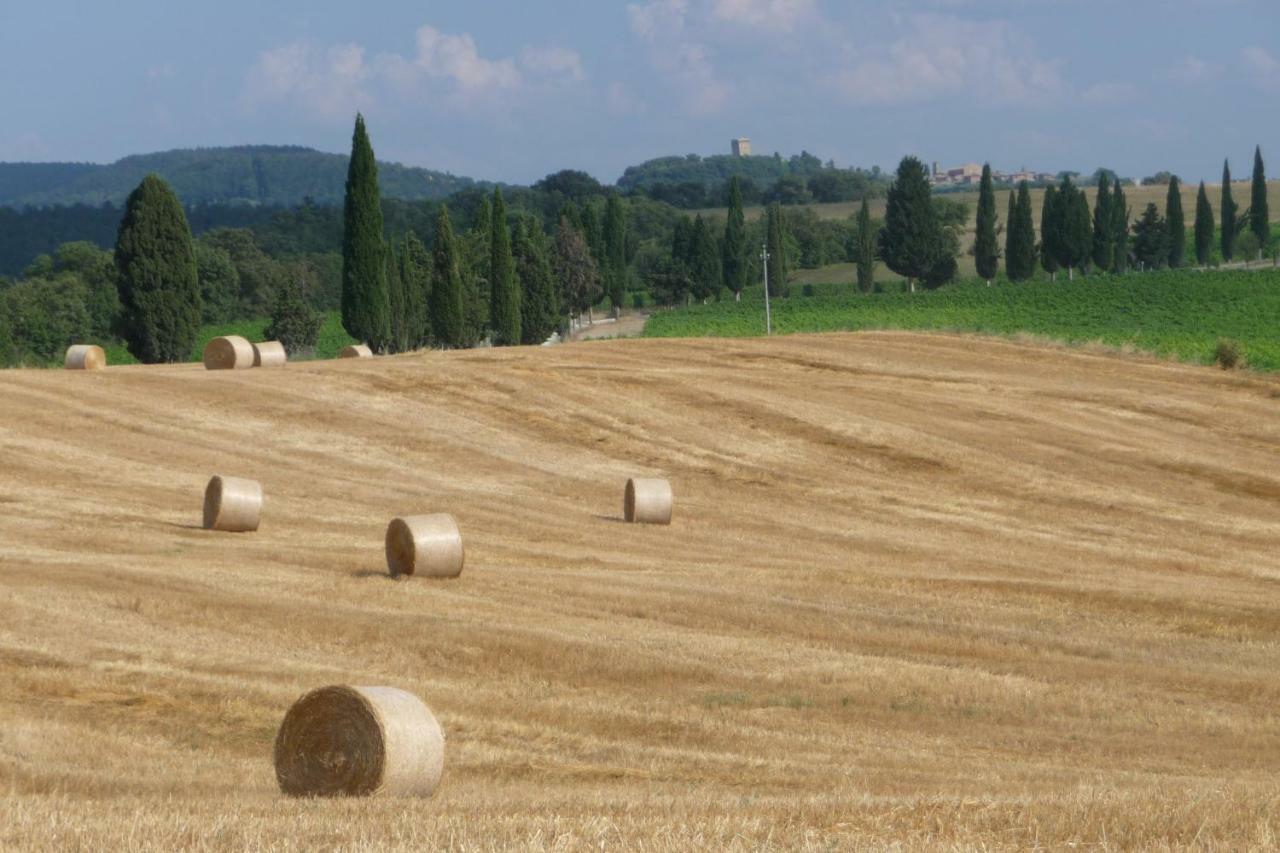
(365,299)
(157,280)
(1176,224)
(1204,227)
(447,311)
(1103,235)
(1229,211)
(866,238)
(397,319)
(733,263)
(539,297)
(911,241)
(1050,232)
(706,261)
(415,277)
(777,245)
(986,249)
(615,251)
(1119,230)
(504,290)
(1259,213)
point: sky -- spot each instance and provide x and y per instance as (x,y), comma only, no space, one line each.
(513,90)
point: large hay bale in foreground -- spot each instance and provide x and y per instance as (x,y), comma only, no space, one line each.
(359,741)
(356,351)
(428,545)
(230,352)
(232,505)
(270,354)
(85,357)
(647,502)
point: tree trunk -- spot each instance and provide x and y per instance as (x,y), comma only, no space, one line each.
(591,321)
(1071,273)
(911,282)
(737,297)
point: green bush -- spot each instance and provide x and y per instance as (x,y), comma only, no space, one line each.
(1228,354)
(293,323)
(637,300)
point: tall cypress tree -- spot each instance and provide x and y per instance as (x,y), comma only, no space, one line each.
(1074,241)
(866,249)
(986,249)
(504,290)
(1176,224)
(1103,235)
(615,249)
(733,263)
(1229,212)
(1204,227)
(911,242)
(397,317)
(157,281)
(365,300)
(1119,229)
(1259,212)
(706,261)
(476,273)
(777,244)
(447,312)
(539,296)
(1011,237)
(1050,232)
(415,277)
(1024,227)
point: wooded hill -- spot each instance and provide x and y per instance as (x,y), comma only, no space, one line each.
(268,175)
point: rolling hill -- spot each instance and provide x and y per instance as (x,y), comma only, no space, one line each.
(921,591)
(252,174)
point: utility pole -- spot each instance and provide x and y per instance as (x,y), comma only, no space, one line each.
(768,314)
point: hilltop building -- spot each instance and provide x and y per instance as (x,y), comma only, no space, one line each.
(970,174)
(741,147)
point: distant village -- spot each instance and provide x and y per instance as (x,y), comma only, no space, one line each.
(971,174)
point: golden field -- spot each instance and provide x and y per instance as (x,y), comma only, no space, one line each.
(920,592)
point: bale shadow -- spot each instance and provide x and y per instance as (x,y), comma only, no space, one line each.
(615,519)
(184,526)
(364,574)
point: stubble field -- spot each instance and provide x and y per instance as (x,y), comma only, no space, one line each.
(921,591)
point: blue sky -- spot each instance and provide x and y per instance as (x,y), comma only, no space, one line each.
(515,89)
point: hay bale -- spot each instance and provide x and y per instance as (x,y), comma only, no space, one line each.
(356,351)
(428,545)
(359,741)
(647,502)
(85,357)
(231,352)
(232,505)
(270,354)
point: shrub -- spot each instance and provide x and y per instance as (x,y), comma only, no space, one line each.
(1228,354)
(637,300)
(807,290)
(293,322)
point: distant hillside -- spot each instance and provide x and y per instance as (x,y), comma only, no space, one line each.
(253,174)
(714,171)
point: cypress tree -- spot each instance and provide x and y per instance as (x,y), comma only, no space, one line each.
(1011,237)
(986,249)
(539,297)
(1151,239)
(1024,226)
(447,312)
(615,251)
(477,274)
(1228,215)
(1050,232)
(682,242)
(1075,227)
(593,231)
(504,290)
(398,321)
(706,261)
(1259,213)
(365,300)
(1120,229)
(1103,235)
(733,263)
(157,281)
(777,244)
(415,277)
(1204,227)
(911,241)
(866,249)
(1176,224)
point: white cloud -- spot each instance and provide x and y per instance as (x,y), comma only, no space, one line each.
(456,58)
(686,63)
(777,15)
(553,62)
(1193,69)
(1110,93)
(325,81)
(1262,67)
(944,56)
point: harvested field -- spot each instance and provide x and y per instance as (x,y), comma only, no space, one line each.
(919,590)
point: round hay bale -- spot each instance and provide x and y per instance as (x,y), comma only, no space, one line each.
(356,351)
(270,354)
(359,741)
(85,357)
(647,502)
(428,545)
(231,352)
(232,505)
